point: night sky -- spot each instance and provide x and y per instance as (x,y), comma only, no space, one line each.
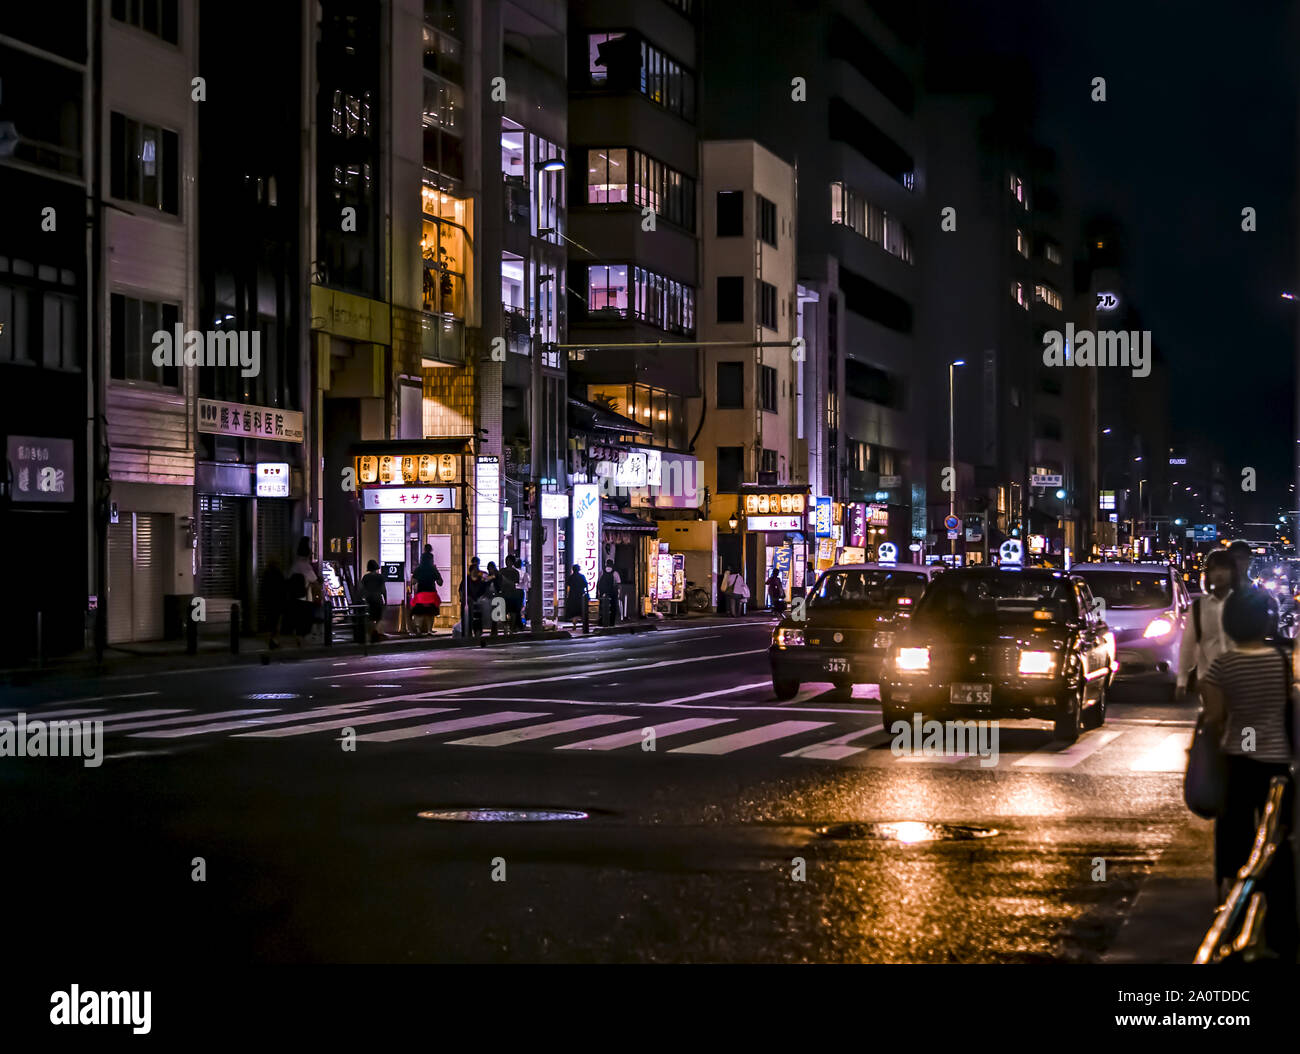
(1200,121)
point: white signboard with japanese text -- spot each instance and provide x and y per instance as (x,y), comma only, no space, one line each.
(487,510)
(42,469)
(251,422)
(272,479)
(774,523)
(586,530)
(408,499)
(555,506)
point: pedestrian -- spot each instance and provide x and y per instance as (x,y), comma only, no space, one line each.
(724,592)
(1203,638)
(776,593)
(607,586)
(302,592)
(426,604)
(473,612)
(374,594)
(739,594)
(1242,555)
(272,596)
(526,592)
(490,597)
(575,598)
(512,593)
(1246,706)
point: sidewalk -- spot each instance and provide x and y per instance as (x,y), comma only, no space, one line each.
(214,650)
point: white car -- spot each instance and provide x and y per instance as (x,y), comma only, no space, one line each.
(1146,607)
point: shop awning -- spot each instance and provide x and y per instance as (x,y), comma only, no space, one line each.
(619,521)
(599,420)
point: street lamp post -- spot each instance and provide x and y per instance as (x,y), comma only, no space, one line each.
(952,453)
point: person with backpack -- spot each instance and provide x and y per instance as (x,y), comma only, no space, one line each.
(607,594)
(1203,638)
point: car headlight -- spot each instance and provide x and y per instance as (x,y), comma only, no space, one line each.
(1158,627)
(912,660)
(1037,663)
(786,638)
(883,639)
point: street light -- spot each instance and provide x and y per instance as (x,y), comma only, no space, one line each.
(550,164)
(733,523)
(952,455)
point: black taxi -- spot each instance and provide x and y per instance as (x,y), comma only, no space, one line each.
(844,631)
(1002,642)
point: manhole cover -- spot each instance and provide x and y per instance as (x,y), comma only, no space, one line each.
(271,695)
(503,815)
(907,832)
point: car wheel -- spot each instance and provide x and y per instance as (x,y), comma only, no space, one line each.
(1096,715)
(784,689)
(1068,721)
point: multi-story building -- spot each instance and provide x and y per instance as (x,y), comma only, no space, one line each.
(750,407)
(840,107)
(48,500)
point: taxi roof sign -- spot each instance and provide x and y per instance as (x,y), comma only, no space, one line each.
(1011,552)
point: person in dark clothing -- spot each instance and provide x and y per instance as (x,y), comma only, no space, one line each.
(493,578)
(302,585)
(1242,556)
(374,594)
(513,594)
(776,593)
(478,590)
(607,594)
(425,601)
(272,596)
(575,598)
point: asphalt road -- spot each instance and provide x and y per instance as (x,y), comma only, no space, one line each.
(743,835)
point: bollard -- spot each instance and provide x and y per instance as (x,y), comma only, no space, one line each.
(234,629)
(191,636)
(327,630)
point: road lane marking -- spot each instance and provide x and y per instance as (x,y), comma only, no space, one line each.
(74,702)
(591,673)
(37,716)
(712,695)
(934,759)
(749,738)
(1050,757)
(112,718)
(368,673)
(838,748)
(549,728)
(345,722)
(633,737)
(253,722)
(455,724)
(1169,755)
(191,720)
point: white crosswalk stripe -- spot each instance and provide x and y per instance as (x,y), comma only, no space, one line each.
(252,722)
(454,724)
(192,719)
(837,749)
(550,728)
(346,722)
(635,736)
(740,740)
(30,716)
(1053,757)
(1169,755)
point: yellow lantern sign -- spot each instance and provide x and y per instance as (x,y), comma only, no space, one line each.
(367,469)
(447,467)
(387,469)
(410,471)
(428,469)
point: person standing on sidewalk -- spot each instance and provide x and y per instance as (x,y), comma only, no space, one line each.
(724,592)
(1203,638)
(425,601)
(302,591)
(607,594)
(525,589)
(776,593)
(513,594)
(374,594)
(575,598)
(1246,700)
(739,594)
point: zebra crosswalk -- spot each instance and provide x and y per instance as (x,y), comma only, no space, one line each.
(858,739)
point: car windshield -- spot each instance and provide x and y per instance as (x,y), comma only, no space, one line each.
(1126,589)
(1006,596)
(875,588)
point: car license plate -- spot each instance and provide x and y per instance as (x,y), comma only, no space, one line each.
(978,694)
(837,665)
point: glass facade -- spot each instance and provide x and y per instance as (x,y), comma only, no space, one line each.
(852,210)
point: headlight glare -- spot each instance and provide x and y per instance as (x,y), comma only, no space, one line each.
(913,660)
(1158,627)
(1037,663)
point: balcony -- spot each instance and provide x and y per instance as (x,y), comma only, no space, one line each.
(442,340)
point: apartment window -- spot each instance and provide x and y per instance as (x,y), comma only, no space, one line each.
(731,214)
(607,291)
(731,386)
(766,220)
(1022,243)
(59,332)
(731,468)
(768,462)
(624,62)
(1018,294)
(133,323)
(1047,295)
(153,16)
(850,209)
(606,177)
(731,298)
(768,388)
(767,304)
(664,302)
(1052,252)
(144,164)
(14,313)
(1016,186)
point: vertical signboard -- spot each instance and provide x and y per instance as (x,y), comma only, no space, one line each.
(586,531)
(487,510)
(823,517)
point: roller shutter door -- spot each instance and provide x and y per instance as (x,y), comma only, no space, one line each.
(152,540)
(121,561)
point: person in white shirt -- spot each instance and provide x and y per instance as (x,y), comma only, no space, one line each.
(1203,637)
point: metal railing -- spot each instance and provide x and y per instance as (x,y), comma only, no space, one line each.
(1238,925)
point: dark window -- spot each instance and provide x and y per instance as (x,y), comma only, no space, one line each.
(731,214)
(864,297)
(731,386)
(768,463)
(872,385)
(731,298)
(766,220)
(133,324)
(767,304)
(768,389)
(145,164)
(153,16)
(1049,428)
(731,468)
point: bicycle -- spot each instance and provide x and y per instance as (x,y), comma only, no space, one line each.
(697,597)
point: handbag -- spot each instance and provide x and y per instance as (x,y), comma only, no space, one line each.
(1205,785)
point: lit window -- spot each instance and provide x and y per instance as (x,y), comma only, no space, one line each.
(1022,243)
(1047,295)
